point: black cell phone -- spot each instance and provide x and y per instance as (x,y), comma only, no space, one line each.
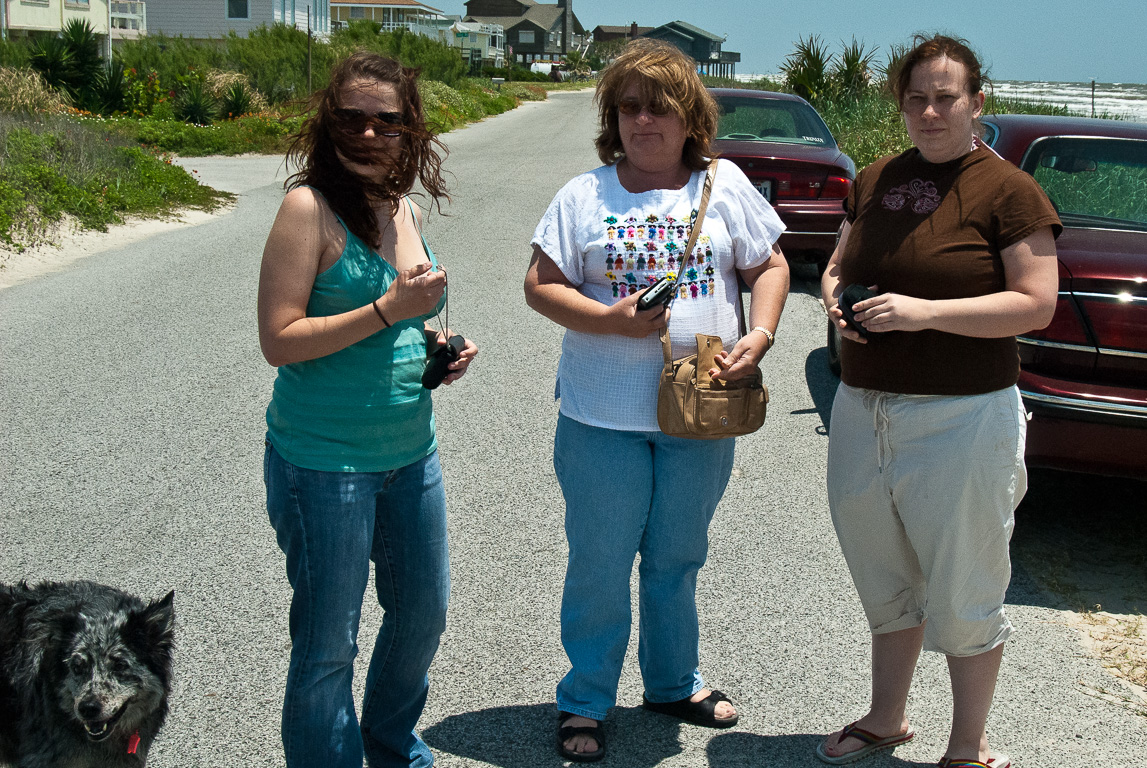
(851,295)
(658,293)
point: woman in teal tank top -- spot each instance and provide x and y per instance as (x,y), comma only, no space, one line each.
(347,287)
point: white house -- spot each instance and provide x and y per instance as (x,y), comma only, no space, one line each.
(216,18)
(391,14)
(19,17)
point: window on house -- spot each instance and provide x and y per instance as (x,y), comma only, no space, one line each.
(526,36)
(357,12)
(237,9)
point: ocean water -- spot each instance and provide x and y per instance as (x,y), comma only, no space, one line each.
(1124,100)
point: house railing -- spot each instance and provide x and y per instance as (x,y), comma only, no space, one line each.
(128,18)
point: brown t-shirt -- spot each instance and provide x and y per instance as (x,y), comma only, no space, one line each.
(935,231)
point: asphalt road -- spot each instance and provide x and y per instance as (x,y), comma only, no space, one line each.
(132,393)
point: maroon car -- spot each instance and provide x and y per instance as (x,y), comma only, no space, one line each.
(1084,378)
(786,150)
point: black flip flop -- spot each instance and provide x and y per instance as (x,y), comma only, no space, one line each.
(567,732)
(701,712)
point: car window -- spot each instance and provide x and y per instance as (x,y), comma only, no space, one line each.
(1094,182)
(991,133)
(790,122)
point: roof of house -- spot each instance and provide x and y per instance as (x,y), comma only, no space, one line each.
(622,30)
(544,16)
(692,31)
(391,3)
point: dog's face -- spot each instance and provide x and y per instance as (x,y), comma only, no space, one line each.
(116,667)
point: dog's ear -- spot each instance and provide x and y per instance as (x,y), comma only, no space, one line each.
(151,631)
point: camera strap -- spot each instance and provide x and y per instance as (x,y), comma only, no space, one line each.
(446,305)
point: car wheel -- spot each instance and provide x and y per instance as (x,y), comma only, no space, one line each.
(833,344)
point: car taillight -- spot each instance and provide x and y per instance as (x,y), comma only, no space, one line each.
(836,187)
(1066,325)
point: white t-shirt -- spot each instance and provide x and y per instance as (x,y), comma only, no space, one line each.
(610,243)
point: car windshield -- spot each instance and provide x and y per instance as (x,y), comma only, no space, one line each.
(1093,182)
(790,122)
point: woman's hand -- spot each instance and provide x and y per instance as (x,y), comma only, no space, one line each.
(745,356)
(416,291)
(893,312)
(627,320)
(459,367)
(843,328)
(549,292)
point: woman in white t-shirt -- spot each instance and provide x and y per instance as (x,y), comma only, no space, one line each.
(608,235)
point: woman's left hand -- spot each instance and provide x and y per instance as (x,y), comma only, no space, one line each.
(745,356)
(894,312)
(459,367)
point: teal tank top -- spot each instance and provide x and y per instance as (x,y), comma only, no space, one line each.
(363,408)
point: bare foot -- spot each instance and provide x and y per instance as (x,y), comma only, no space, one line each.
(582,742)
(723,711)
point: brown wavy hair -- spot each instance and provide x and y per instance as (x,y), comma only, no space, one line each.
(665,74)
(926,48)
(316,147)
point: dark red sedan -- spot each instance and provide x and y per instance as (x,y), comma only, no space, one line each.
(786,150)
(1084,377)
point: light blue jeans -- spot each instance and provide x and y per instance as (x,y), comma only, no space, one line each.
(628,493)
(331,525)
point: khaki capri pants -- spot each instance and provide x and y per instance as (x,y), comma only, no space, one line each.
(923,490)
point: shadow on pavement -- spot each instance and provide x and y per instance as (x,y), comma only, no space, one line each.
(515,736)
(1078,543)
(822,384)
(790,750)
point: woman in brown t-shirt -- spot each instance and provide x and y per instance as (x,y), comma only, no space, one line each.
(926,451)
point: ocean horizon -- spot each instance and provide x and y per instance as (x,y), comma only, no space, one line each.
(1127,101)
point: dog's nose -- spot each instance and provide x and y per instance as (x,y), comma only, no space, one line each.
(89,709)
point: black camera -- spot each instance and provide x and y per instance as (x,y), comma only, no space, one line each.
(658,293)
(439,357)
(849,296)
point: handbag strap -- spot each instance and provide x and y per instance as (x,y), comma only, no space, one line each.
(666,347)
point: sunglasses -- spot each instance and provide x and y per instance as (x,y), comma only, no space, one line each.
(356,121)
(633,107)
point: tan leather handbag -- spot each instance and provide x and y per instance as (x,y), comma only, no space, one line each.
(689,403)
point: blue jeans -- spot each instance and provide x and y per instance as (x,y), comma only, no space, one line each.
(330,525)
(628,493)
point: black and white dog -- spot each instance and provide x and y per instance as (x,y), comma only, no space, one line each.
(85,672)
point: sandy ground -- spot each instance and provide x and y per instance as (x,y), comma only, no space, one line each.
(70,243)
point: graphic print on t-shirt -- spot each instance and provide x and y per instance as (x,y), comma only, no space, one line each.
(638,253)
(924,195)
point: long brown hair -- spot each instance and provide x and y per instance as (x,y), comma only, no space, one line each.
(665,74)
(316,147)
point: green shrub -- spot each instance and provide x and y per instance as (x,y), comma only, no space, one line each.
(195,104)
(236,102)
(14,52)
(51,57)
(56,167)
(807,69)
(109,89)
